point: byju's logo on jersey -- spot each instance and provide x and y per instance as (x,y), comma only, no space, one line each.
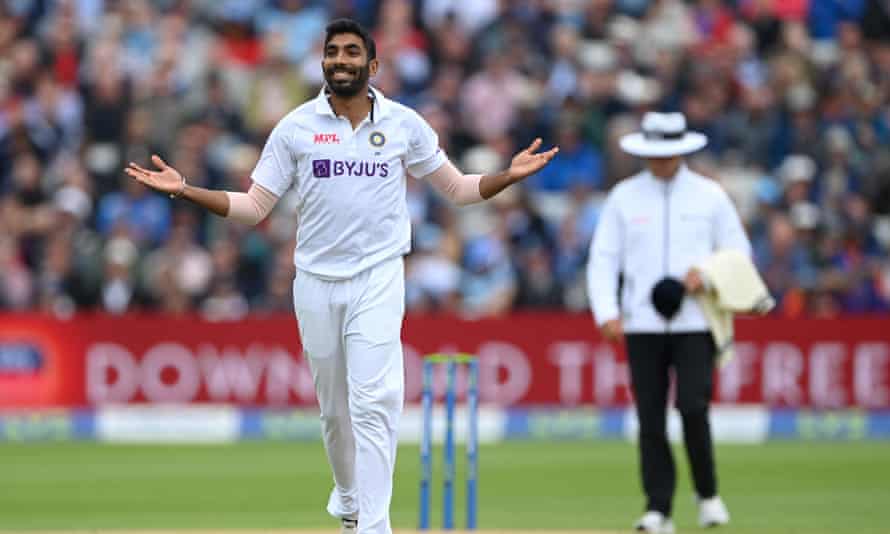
(326,168)
(326,139)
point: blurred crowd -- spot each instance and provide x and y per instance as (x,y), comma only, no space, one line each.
(793,95)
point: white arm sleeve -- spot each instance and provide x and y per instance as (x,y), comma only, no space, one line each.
(462,189)
(251,207)
(604,263)
(730,231)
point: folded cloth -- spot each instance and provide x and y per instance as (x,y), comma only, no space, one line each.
(732,285)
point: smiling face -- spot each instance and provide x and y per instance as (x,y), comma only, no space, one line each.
(346,66)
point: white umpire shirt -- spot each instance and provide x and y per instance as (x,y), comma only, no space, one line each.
(350,183)
(651,228)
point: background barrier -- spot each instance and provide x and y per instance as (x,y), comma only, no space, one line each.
(525,360)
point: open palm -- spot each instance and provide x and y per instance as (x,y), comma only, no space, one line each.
(527,162)
(166,180)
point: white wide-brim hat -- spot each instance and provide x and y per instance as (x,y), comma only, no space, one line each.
(663,135)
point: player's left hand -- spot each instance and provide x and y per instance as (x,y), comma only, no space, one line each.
(527,162)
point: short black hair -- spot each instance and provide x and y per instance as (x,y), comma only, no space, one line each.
(339,26)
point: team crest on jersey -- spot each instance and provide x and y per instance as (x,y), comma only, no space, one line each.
(377,139)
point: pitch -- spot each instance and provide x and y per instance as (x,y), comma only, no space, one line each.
(245,488)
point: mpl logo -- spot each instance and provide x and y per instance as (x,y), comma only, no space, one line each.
(326,139)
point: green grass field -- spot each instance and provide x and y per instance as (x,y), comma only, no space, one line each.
(774,488)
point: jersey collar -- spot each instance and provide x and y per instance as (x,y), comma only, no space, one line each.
(379,103)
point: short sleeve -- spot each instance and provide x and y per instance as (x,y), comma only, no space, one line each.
(424,155)
(277,165)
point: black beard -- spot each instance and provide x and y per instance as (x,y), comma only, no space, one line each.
(347,89)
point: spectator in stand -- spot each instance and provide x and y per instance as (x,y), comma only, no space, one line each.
(491,97)
(298,22)
(796,176)
(786,266)
(578,167)
(146,216)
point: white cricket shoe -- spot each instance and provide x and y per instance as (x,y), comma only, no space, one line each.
(712,512)
(348,526)
(654,523)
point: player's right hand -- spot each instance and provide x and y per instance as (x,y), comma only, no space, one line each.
(166,180)
(612,330)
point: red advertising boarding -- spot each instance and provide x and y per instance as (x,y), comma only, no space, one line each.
(552,359)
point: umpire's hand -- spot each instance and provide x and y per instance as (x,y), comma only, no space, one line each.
(612,330)
(693,281)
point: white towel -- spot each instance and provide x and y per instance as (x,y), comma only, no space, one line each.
(733,285)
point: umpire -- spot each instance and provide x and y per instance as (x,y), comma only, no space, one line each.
(654,227)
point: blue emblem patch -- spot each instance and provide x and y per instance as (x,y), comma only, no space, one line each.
(377,139)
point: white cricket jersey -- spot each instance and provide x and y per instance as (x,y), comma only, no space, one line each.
(351,187)
(649,229)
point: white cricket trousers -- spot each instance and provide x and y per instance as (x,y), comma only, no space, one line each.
(351,335)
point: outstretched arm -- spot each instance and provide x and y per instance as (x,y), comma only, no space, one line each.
(250,208)
(465,189)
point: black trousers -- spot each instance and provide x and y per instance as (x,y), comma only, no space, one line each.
(691,355)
